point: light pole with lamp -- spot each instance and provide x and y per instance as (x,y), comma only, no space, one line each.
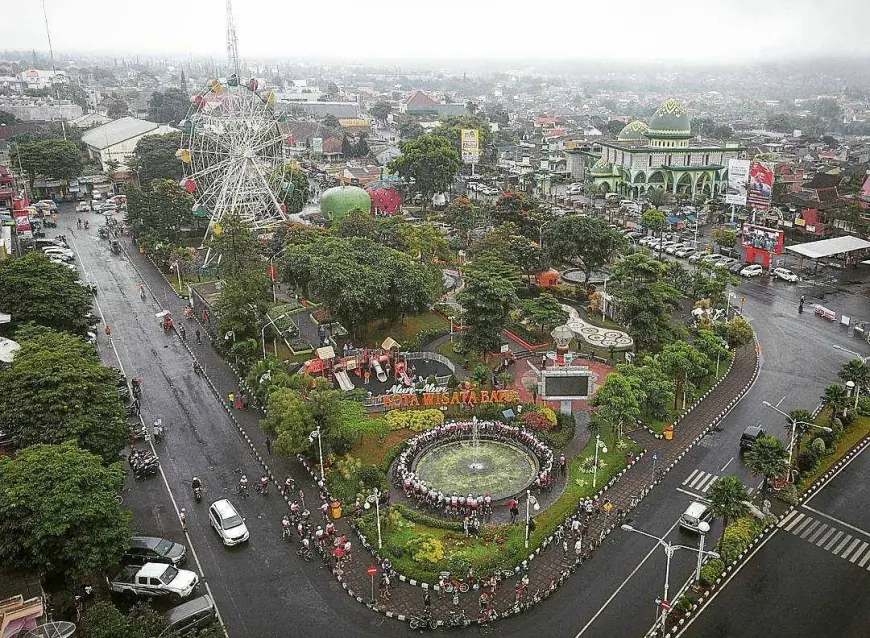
(263,332)
(794,424)
(851,387)
(669,552)
(376,498)
(531,502)
(311,437)
(852,352)
(599,444)
(604,299)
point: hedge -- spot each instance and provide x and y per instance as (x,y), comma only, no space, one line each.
(711,571)
(429,521)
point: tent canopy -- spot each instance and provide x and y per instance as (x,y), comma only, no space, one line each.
(829,247)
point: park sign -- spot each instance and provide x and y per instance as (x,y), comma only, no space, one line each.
(459,397)
(470,138)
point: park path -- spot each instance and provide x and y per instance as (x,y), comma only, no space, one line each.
(548,564)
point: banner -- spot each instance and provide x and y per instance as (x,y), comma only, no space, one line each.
(470,139)
(738,182)
(760,185)
(317,145)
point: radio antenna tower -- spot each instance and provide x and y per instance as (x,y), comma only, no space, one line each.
(232,42)
(53,68)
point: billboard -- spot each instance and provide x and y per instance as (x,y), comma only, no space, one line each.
(738,182)
(470,139)
(317,145)
(762,238)
(760,185)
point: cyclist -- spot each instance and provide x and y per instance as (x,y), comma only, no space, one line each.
(286,529)
(289,485)
(243,485)
(263,484)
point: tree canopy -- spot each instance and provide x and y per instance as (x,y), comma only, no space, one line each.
(584,242)
(381,110)
(544,311)
(117,108)
(59,514)
(767,457)
(158,213)
(154,158)
(428,164)
(53,159)
(487,299)
(32,288)
(360,279)
(509,245)
(169,106)
(56,391)
(728,498)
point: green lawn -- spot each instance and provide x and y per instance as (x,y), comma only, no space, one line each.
(404,331)
(448,349)
(498,546)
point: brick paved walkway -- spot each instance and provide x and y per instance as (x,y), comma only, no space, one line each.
(548,564)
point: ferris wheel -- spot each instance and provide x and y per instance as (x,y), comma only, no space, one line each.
(232,150)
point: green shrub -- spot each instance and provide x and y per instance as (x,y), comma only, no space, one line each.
(711,571)
(416,420)
(736,538)
(789,494)
(429,521)
(391,456)
(818,447)
(559,438)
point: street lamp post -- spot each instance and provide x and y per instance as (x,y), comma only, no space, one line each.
(311,437)
(531,502)
(270,322)
(669,552)
(852,352)
(851,386)
(598,445)
(604,299)
(376,497)
(794,424)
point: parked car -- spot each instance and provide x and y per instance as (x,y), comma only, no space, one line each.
(711,258)
(647,240)
(58,251)
(694,515)
(685,251)
(97,196)
(83,207)
(785,274)
(153,580)
(150,549)
(737,266)
(723,262)
(750,435)
(672,250)
(228,523)
(752,271)
(694,259)
(190,617)
(46,204)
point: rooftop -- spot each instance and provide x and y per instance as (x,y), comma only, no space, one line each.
(116,132)
(829,247)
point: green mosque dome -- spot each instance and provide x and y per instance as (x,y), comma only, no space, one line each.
(670,121)
(633,132)
(338,201)
(602,168)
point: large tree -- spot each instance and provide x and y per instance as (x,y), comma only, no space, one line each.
(655,386)
(169,106)
(428,165)
(509,245)
(154,158)
(117,108)
(836,399)
(857,371)
(33,288)
(451,130)
(381,110)
(58,512)
(56,391)
(53,159)
(545,312)
(158,213)
(239,250)
(290,418)
(767,457)
(7,118)
(618,401)
(729,498)
(487,299)
(655,221)
(464,216)
(584,242)
(686,366)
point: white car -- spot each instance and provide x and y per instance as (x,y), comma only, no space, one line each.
(785,274)
(97,196)
(63,263)
(696,257)
(58,252)
(713,257)
(685,251)
(752,271)
(672,250)
(228,523)
(83,207)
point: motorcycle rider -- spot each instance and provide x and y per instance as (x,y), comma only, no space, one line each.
(243,484)
(196,484)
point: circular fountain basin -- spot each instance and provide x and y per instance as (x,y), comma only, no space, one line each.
(493,467)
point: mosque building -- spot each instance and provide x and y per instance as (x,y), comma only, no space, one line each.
(662,154)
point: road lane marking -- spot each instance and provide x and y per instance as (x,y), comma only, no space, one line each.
(697,497)
(691,476)
(817,533)
(864,560)
(842,544)
(799,528)
(727,464)
(696,481)
(825,537)
(625,582)
(787,518)
(833,476)
(797,520)
(833,540)
(838,521)
(857,554)
(809,530)
(854,544)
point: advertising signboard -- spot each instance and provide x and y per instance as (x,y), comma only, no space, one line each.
(470,139)
(760,185)
(317,145)
(762,238)
(738,182)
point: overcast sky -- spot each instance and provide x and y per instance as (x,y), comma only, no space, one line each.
(699,30)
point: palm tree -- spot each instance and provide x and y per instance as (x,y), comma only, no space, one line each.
(767,457)
(728,498)
(857,371)
(656,197)
(837,399)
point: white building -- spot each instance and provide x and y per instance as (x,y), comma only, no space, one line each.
(36,79)
(117,140)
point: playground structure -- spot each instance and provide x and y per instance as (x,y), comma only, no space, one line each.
(384,370)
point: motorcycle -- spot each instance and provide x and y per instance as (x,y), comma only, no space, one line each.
(158,431)
(197,494)
(457,619)
(133,409)
(426,620)
(137,431)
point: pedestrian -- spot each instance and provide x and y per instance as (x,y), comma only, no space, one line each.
(232,398)
(108,331)
(182,332)
(245,400)
(465,526)
(239,401)
(578,547)
(427,601)
(367,377)
(543,360)
(269,445)
(563,465)
(198,337)
(565,548)
(513,506)
(182,516)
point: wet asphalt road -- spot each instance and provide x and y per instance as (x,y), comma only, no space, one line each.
(263,590)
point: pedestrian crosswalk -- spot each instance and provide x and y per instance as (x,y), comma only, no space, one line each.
(700,481)
(854,548)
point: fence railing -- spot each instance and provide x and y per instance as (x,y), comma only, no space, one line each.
(433,356)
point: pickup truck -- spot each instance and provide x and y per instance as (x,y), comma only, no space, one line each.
(153,579)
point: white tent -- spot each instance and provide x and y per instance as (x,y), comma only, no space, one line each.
(8,348)
(829,247)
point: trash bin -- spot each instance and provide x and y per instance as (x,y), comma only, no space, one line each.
(336,509)
(669,432)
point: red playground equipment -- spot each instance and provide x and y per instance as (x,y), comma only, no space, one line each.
(401,373)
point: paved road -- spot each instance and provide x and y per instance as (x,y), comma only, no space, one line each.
(261,591)
(810,578)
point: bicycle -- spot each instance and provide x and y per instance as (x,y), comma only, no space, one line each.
(305,552)
(242,491)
